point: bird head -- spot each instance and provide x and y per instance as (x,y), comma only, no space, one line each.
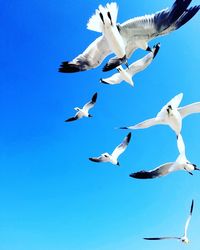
(77,108)
(105,155)
(169,108)
(185,240)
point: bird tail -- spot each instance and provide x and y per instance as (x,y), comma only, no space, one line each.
(102,15)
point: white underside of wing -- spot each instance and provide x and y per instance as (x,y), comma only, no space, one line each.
(88,106)
(146,124)
(114,79)
(181,145)
(189,109)
(140,65)
(94,53)
(121,147)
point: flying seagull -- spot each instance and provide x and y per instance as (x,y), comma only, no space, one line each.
(113,158)
(136,33)
(104,21)
(181,163)
(134,68)
(83,112)
(170,115)
(184,238)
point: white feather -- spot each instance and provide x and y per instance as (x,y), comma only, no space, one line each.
(95,23)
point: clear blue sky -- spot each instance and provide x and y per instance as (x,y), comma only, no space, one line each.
(52,197)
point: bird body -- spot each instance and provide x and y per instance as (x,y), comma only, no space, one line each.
(127,74)
(84,112)
(104,21)
(184,239)
(123,39)
(113,158)
(170,115)
(181,163)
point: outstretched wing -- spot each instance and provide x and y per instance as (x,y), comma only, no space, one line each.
(163,238)
(145,124)
(147,27)
(90,58)
(181,145)
(76,117)
(114,79)
(189,218)
(143,62)
(189,109)
(157,172)
(122,146)
(98,159)
(91,103)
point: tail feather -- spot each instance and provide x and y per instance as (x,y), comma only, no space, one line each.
(95,22)
(103,14)
(113,9)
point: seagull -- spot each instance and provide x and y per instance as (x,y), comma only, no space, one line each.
(184,238)
(181,163)
(84,111)
(104,21)
(135,33)
(170,115)
(134,68)
(113,158)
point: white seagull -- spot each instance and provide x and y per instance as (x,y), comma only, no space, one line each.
(104,21)
(184,238)
(134,68)
(83,112)
(113,158)
(170,115)
(135,33)
(181,163)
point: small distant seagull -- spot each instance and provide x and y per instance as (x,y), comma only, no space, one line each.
(113,158)
(84,111)
(170,115)
(184,238)
(181,163)
(134,68)
(104,21)
(135,32)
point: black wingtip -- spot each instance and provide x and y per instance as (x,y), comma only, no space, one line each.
(192,205)
(123,128)
(186,16)
(129,137)
(94,97)
(149,49)
(67,67)
(142,175)
(102,81)
(113,63)
(156,49)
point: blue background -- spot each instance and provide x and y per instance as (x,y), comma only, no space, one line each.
(51,196)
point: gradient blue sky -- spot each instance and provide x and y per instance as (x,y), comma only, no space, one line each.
(52,197)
